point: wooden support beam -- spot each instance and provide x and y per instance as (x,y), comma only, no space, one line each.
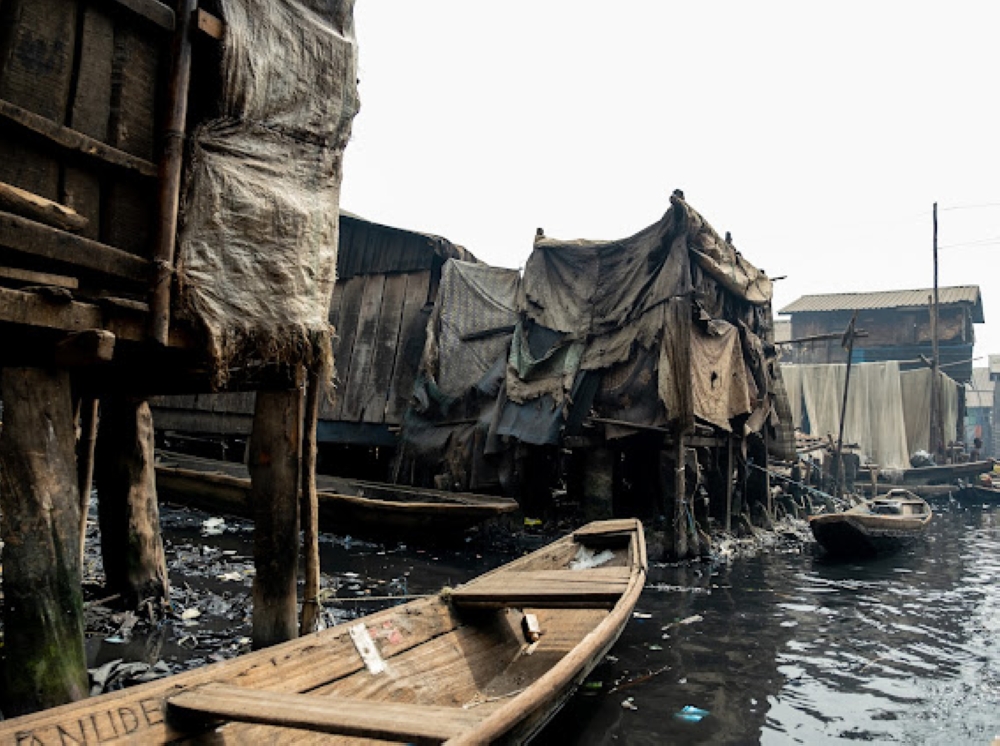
(44,662)
(85,462)
(170,167)
(71,141)
(131,545)
(38,208)
(85,348)
(155,12)
(729,484)
(211,25)
(274,486)
(310,504)
(32,238)
(29,277)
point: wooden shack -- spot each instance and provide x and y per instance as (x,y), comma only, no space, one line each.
(635,377)
(898,327)
(101,301)
(387,281)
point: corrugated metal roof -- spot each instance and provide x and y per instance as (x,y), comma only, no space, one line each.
(889,299)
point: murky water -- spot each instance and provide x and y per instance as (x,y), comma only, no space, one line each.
(792,648)
(783,648)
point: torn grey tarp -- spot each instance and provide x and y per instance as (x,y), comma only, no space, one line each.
(471,325)
(462,371)
(257,246)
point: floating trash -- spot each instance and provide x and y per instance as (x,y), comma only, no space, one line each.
(629,704)
(691,714)
(213,527)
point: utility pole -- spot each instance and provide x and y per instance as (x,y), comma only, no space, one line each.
(936,425)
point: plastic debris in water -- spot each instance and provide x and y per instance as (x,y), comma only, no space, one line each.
(213,527)
(690,714)
(629,704)
(532,522)
(641,615)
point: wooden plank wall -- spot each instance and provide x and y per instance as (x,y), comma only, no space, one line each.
(90,69)
(381,325)
(380,322)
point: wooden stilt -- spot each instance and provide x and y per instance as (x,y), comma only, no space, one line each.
(85,462)
(729,483)
(44,661)
(310,506)
(681,508)
(274,489)
(128,510)
(598,484)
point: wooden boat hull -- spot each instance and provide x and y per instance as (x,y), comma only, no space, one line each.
(859,533)
(457,667)
(974,493)
(355,507)
(938,475)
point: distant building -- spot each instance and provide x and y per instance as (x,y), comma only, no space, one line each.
(980,396)
(898,326)
(994,368)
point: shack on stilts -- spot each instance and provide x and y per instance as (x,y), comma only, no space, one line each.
(169,192)
(639,376)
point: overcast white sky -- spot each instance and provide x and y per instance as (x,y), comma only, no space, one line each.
(819,134)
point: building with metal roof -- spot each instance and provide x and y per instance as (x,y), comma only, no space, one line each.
(897,325)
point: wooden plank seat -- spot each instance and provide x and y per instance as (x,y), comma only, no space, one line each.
(600,586)
(362,718)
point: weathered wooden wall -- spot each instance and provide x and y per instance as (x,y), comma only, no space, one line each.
(78,111)
(386,286)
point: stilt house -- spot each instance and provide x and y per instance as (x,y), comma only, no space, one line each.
(169,186)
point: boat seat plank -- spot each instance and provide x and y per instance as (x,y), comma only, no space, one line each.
(327,714)
(597,585)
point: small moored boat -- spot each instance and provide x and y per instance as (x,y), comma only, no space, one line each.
(490,661)
(876,526)
(346,506)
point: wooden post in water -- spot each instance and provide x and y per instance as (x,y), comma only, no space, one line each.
(274,489)
(310,505)
(85,461)
(129,514)
(729,482)
(44,661)
(838,462)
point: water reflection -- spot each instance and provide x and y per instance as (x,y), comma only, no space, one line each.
(792,648)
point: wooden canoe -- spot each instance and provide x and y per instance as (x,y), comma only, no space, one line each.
(977,493)
(346,506)
(936,475)
(877,526)
(454,668)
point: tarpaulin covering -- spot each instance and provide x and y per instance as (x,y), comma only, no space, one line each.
(462,371)
(602,305)
(258,238)
(888,411)
(470,327)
